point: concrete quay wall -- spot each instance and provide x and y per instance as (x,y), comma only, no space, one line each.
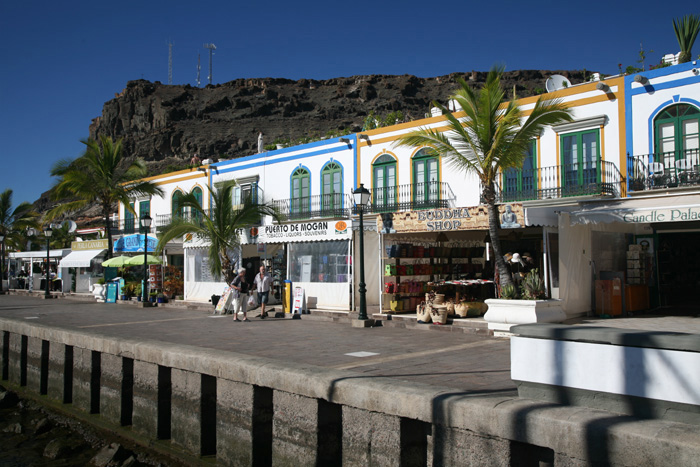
(246,410)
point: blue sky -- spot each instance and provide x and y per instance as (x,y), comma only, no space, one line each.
(60,61)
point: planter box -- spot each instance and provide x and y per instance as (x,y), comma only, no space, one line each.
(502,314)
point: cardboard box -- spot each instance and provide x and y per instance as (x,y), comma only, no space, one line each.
(634,254)
(635,248)
(633,273)
(634,264)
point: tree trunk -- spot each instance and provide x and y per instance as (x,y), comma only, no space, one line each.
(108,231)
(494,233)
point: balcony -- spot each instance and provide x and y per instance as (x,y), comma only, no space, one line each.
(431,195)
(675,169)
(560,181)
(127,227)
(336,205)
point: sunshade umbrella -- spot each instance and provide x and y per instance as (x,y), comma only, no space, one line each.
(117,262)
(138,260)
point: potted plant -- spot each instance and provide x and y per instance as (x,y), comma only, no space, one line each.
(161,298)
(138,291)
(153,296)
(532,307)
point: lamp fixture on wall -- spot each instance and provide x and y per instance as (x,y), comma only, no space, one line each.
(601,86)
(344,140)
(365,137)
(643,80)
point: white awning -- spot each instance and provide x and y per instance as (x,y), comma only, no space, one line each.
(38,254)
(79,259)
(643,210)
(545,216)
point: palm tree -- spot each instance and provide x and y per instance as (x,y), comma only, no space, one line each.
(100,176)
(491,138)
(15,222)
(221,226)
(686,30)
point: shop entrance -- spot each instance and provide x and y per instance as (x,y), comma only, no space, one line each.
(678,262)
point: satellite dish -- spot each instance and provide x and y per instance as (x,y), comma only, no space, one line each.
(556,82)
(72,226)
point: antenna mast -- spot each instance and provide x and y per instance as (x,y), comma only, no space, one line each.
(211,48)
(170,62)
(199,67)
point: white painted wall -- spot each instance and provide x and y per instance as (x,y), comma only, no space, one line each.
(661,374)
(676,84)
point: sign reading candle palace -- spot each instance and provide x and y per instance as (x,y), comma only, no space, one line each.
(434,220)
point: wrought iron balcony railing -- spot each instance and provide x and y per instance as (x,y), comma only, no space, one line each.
(128,227)
(335,205)
(664,170)
(560,181)
(431,195)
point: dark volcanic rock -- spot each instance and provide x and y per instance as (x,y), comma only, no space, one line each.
(167,124)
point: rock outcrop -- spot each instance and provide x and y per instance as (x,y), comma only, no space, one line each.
(170,123)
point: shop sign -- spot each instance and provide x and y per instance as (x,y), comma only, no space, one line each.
(305,232)
(100,244)
(134,243)
(648,216)
(433,220)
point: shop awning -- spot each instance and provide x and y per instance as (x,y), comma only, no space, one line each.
(545,216)
(38,254)
(642,210)
(79,259)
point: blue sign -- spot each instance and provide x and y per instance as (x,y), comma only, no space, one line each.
(134,244)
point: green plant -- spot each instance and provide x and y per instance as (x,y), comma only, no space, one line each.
(532,286)
(104,176)
(686,30)
(509,292)
(630,70)
(101,281)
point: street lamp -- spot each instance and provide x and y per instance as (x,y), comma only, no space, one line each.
(146,225)
(2,259)
(47,233)
(361,198)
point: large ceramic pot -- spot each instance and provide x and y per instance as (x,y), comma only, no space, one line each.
(98,290)
(503,314)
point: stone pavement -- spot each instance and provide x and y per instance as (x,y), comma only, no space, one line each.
(468,363)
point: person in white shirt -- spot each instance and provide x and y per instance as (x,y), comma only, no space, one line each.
(262,282)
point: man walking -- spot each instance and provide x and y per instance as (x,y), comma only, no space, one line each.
(262,282)
(240,295)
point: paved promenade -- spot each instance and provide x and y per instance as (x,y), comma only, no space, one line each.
(475,364)
(467,362)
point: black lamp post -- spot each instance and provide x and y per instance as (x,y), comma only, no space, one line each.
(2,259)
(47,233)
(146,225)
(361,198)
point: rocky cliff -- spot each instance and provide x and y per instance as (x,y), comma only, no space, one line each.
(167,124)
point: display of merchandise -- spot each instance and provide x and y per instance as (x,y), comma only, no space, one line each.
(411,270)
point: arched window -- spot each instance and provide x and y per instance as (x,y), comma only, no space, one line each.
(332,187)
(301,191)
(677,132)
(426,178)
(384,191)
(176,209)
(197,193)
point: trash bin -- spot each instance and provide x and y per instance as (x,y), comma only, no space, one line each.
(287,298)
(112,288)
